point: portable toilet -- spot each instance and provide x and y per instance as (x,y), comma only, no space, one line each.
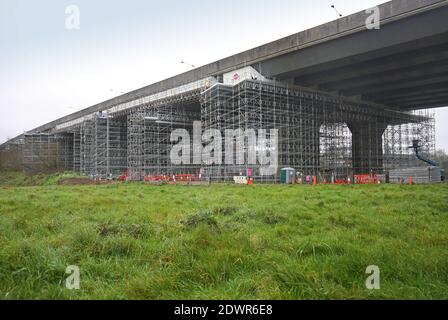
(287,174)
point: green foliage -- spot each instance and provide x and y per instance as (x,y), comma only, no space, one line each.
(442,159)
(135,241)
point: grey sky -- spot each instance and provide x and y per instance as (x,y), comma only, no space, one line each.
(48,71)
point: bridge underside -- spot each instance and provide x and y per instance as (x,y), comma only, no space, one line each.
(403,65)
(319,134)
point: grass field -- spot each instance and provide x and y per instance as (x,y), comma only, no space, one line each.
(135,241)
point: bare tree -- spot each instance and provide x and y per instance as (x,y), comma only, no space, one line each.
(442,158)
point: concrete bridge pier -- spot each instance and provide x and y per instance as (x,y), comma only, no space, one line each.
(367,147)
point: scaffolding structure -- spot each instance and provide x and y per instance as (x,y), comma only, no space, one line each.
(76,150)
(102,146)
(44,152)
(149,140)
(319,134)
(400,136)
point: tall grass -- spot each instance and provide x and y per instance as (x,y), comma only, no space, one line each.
(135,241)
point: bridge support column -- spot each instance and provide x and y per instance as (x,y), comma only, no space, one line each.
(367,147)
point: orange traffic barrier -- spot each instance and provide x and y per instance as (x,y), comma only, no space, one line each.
(366,179)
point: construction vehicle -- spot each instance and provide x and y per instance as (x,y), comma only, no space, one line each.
(416,146)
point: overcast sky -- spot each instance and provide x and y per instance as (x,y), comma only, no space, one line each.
(47,71)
